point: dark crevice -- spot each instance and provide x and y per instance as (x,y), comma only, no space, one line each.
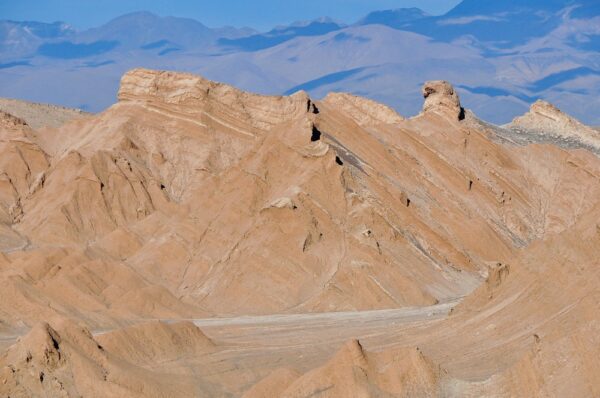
(101,186)
(312,108)
(339,161)
(407,202)
(41,377)
(55,343)
(316,134)
(461,115)
(470,184)
(162,187)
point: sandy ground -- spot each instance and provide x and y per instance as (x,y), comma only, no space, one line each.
(251,347)
(263,336)
(248,348)
(275,332)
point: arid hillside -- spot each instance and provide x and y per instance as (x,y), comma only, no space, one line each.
(198,240)
(40,115)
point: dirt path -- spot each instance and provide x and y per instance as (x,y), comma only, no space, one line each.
(251,347)
(321,328)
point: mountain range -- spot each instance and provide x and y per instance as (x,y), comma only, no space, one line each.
(196,240)
(501,55)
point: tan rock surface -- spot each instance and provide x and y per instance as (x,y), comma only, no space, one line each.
(40,115)
(548,121)
(70,362)
(354,373)
(440,96)
(364,111)
(261,218)
(273,385)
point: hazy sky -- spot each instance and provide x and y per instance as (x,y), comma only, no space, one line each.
(261,14)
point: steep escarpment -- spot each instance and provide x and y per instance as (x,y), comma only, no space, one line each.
(190,199)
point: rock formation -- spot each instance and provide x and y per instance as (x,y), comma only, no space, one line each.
(549,123)
(364,111)
(254,216)
(441,97)
(70,362)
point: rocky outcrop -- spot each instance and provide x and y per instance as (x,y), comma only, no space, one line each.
(42,363)
(22,172)
(551,124)
(441,97)
(9,121)
(543,116)
(202,98)
(67,361)
(364,111)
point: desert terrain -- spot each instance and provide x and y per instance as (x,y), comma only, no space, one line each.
(196,240)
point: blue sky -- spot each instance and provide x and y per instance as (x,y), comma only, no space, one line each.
(260,14)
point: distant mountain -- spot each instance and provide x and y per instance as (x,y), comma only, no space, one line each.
(281,34)
(488,7)
(131,31)
(394,18)
(232,32)
(21,38)
(140,28)
(501,55)
(38,29)
(504,24)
